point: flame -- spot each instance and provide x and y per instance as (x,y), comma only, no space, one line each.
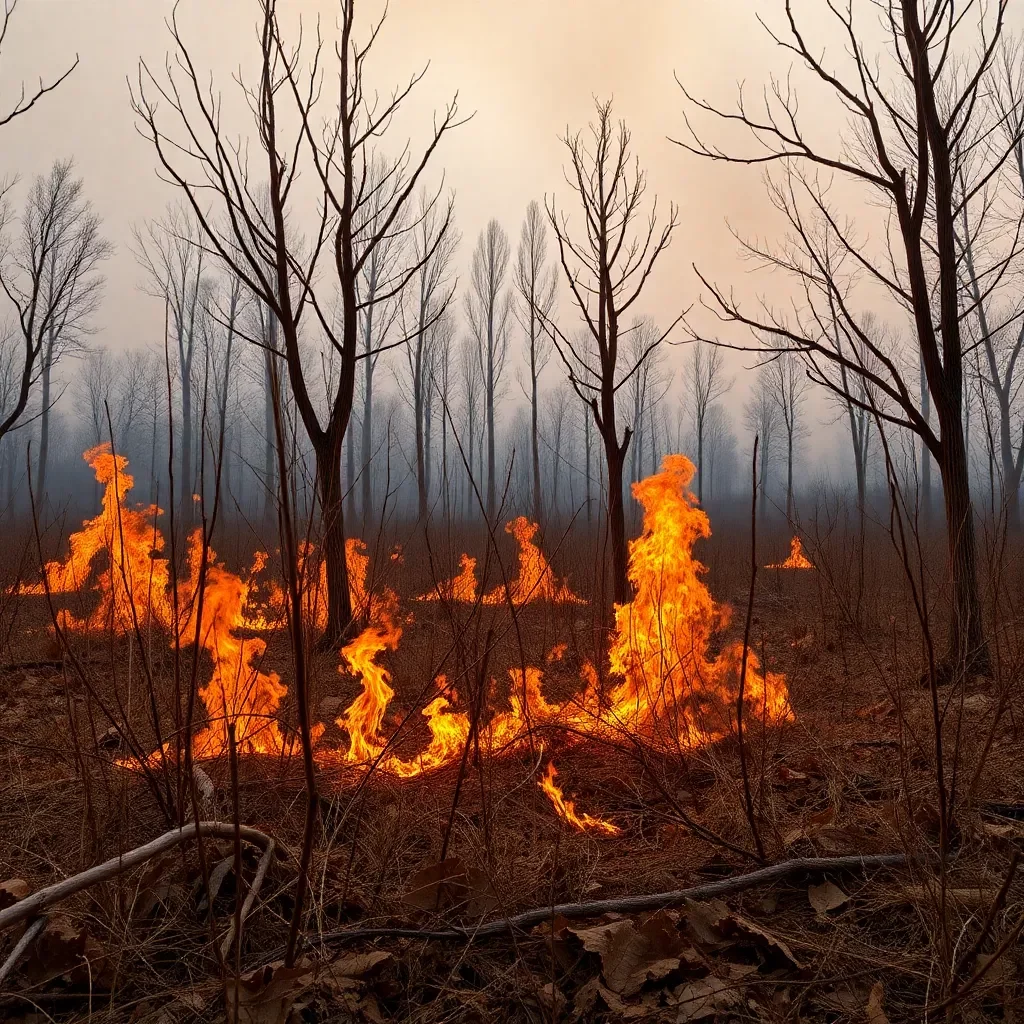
(664,688)
(238,692)
(460,588)
(536,581)
(566,809)
(670,690)
(133,584)
(797,559)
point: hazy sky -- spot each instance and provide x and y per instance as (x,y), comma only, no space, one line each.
(528,69)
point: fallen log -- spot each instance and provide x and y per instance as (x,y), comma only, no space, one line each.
(626,904)
(35,903)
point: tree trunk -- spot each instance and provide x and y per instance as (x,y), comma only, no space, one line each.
(789,477)
(44,423)
(332,514)
(534,434)
(491,490)
(269,442)
(367,435)
(968,649)
(700,460)
(185,456)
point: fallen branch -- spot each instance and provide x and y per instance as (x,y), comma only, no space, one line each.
(23,943)
(250,898)
(629,904)
(37,902)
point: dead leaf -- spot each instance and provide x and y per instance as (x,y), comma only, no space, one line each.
(348,971)
(875,1012)
(769,943)
(552,1000)
(630,955)
(450,885)
(826,897)
(269,994)
(789,776)
(705,998)
(220,872)
(12,890)
(704,921)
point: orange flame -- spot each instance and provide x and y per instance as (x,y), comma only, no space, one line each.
(536,581)
(666,690)
(797,559)
(134,577)
(566,809)
(460,588)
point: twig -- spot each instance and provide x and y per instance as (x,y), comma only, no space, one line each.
(630,904)
(250,897)
(23,943)
(39,901)
(748,801)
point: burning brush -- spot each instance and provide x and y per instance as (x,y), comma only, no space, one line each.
(666,691)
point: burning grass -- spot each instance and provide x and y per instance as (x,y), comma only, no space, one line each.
(471,772)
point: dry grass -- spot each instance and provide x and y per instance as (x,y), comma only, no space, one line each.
(854,773)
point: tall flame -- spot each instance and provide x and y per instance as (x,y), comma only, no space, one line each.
(536,581)
(666,689)
(797,559)
(459,588)
(133,582)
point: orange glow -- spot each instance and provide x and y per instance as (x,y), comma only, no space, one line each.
(797,559)
(536,581)
(662,687)
(134,576)
(461,588)
(670,691)
(566,809)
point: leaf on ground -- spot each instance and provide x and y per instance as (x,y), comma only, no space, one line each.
(348,971)
(704,998)
(633,955)
(825,897)
(12,890)
(58,950)
(218,875)
(269,994)
(771,945)
(705,921)
(451,885)
(875,1012)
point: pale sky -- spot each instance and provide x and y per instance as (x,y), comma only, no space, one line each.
(528,69)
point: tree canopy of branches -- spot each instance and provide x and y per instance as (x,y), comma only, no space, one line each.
(49,273)
(921,122)
(535,284)
(606,266)
(361,209)
(488,309)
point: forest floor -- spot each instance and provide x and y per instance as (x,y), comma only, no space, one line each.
(854,773)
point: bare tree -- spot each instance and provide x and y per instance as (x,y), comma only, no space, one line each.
(719,446)
(535,283)
(787,384)
(170,252)
(50,276)
(204,161)
(430,299)
(921,120)
(442,386)
(647,387)
(471,387)
(488,305)
(26,100)
(606,270)
(705,384)
(763,420)
(379,318)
